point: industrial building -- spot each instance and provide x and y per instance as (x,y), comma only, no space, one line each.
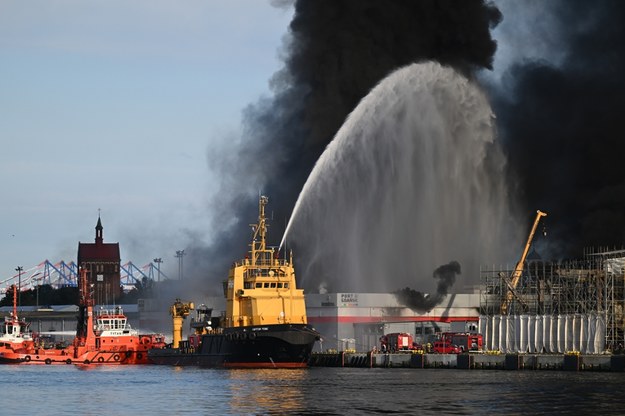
(358,320)
(556,307)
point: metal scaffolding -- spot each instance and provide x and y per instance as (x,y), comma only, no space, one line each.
(593,285)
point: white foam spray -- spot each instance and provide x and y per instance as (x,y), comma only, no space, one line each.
(412,180)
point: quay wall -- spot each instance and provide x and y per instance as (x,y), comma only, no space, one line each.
(561,362)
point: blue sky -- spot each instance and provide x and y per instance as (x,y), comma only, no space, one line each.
(113,105)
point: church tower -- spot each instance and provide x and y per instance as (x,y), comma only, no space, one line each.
(102,262)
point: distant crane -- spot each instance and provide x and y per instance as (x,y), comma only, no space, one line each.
(518,270)
(63,274)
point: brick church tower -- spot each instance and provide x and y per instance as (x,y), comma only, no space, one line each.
(102,262)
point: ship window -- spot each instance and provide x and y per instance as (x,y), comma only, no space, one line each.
(266,285)
(259,285)
(247,285)
(273,285)
(286,285)
(279,285)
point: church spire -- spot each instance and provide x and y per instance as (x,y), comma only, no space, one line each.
(98,231)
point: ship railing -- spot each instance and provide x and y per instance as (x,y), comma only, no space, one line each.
(117,311)
(262,262)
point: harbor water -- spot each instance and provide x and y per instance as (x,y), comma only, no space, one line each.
(163,390)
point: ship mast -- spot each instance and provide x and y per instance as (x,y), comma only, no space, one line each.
(260,232)
(85,307)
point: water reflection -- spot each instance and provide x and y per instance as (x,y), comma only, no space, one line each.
(264,390)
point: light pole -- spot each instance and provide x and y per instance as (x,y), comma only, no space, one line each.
(19,269)
(38,283)
(158,262)
(179,255)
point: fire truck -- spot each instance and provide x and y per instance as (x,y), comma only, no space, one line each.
(465,341)
(445,347)
(398,341)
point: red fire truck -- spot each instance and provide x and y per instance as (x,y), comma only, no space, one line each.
(445,347)
(465,341)
(398,341)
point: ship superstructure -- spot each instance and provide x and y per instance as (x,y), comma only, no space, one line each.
(261,289)
(15,333)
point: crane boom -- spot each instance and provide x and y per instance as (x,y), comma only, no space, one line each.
(518,270)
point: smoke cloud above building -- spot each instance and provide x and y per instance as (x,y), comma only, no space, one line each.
(334,54)
(560,122)
(557,111)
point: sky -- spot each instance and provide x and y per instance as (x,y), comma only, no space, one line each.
(155,115)
(110,108)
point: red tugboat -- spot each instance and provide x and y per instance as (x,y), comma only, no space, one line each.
(15,334)
(108,340)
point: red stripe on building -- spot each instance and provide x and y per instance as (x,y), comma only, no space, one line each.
(386,319)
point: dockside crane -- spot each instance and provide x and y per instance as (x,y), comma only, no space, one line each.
(179,311)
(518,270)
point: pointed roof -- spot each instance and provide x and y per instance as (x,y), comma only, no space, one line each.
(98,251)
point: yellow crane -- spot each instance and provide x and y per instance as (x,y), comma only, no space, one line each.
(518,270)
(179,311)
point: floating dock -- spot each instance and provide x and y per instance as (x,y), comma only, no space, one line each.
(562,362)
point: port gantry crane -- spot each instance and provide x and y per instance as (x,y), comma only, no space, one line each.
(518,270)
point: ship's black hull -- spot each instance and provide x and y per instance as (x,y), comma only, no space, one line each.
(269,346)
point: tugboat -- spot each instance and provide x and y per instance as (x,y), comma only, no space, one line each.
(15,334)
(110,340)
(264,325)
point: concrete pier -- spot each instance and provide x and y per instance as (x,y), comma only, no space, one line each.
(510,362)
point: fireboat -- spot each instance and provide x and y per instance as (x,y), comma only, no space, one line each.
(264,325)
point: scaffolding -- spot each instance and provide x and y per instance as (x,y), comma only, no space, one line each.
(592,286)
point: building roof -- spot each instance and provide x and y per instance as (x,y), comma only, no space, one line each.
(98,252)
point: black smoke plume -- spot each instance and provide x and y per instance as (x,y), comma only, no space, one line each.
(563,131)
(335,53)
(420,302)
